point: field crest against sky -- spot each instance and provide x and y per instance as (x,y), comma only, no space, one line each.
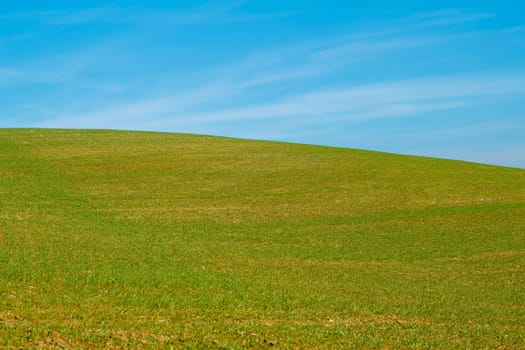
(436,78)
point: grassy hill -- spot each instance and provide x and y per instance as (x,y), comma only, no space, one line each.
(128,239)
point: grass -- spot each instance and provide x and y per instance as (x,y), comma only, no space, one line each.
(147,240)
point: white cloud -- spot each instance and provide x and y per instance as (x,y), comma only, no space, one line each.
(317,57)
(447,16)
(367,47)
(377,100)
(131,115)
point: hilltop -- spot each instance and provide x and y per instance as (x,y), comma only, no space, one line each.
(139,239)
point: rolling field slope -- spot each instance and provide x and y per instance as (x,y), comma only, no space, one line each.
(149,240)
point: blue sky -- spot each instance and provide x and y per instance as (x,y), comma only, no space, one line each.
(437,78)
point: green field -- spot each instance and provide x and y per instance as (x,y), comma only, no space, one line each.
(113,239)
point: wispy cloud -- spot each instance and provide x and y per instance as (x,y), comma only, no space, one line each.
(139,113)
(58,68)
(27,15)
(322,56)
(211,11)
(367,47)
(313,58)
(7,73)
(62,17)
(83,16)
(376,101)
(447,16)
(410,25)
(218,99)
